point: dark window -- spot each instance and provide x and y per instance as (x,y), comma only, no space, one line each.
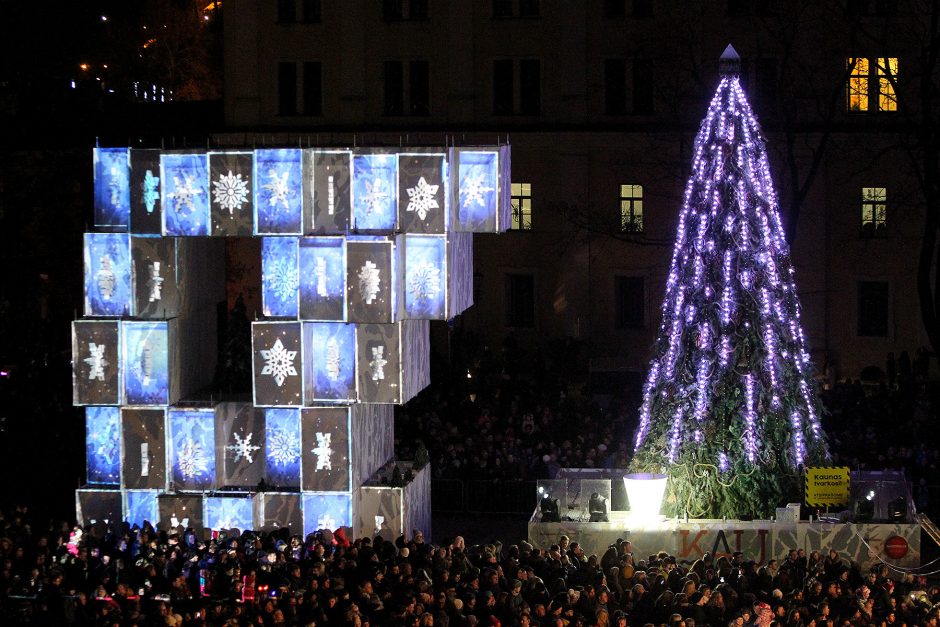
(530,87)
(418,10)
(872,309)
(858,7)
(642,8)
(312,11)
(502,8)
(502,87)
(886,8)
(615,8)
(313,88)
(629,302)
(391,10)
(528,8)
(419,88)
(642,86)
(520,300)
(739,7)
(286,11)
(287,88)
(394,88)
(615,86)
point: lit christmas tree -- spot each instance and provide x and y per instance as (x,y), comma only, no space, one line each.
(729,408)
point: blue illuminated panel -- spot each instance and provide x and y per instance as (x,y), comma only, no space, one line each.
(185,181)
(330,361)
(107,274)
(145,359)
(425,277)
(229,513)
(103,445)
(279,277)
(112,188)
(375,192)
(478,176)
(323,510)
(192,449)
(282,446)
(322,278)
(140,506)
(278,192)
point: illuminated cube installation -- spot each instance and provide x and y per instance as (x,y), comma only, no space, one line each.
(360,248)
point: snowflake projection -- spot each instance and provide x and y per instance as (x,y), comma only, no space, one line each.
(151,193)
(379,522)
(424,282)
(376,196)
(421,198)
(378,363)
(144,459)
(279,363)
(225,522)
(473,190)
(243,448)
(282,278)
(230,191)
(319,272)
(277,188)
(332,360)
(114,185)
(178,522)
(184,192)
(323,451)
(155,284)
(326,522)
(105,278)
(191,459)
(369,281)
(283,447)
(96,361)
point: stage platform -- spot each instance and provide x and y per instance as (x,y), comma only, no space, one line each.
(759,540)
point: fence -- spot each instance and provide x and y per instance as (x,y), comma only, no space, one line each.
(454,496)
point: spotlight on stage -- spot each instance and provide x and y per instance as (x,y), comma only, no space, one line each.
(597,506)
(645,492)
(865,508)
(897,510)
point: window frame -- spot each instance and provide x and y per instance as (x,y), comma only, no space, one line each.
(521,206)
(871,88)
(631,208)
(872,202)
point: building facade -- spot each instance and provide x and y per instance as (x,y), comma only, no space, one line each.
(600,101)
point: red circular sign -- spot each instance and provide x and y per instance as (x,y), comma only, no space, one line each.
(896,547)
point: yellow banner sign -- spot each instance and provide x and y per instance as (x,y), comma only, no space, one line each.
(827,486)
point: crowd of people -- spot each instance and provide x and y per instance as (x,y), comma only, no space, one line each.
(123,576)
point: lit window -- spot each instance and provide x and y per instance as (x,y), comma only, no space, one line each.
(874,209)
(631,208)
(522,206)
(871,85)
(887,72)
(858,84)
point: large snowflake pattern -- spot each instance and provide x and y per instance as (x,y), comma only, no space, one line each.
(333,362)
(243,448)
(96,361)
(155,284)
(421,198)
(376,196)
(473,190)
(230,191)
(278,189)
(369,281)
(279,362)
(191,459)
(326,522)
(323,451)
(283,447)
(424,282)
(151,190)
(378,363)
(184,192)
(282,278)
